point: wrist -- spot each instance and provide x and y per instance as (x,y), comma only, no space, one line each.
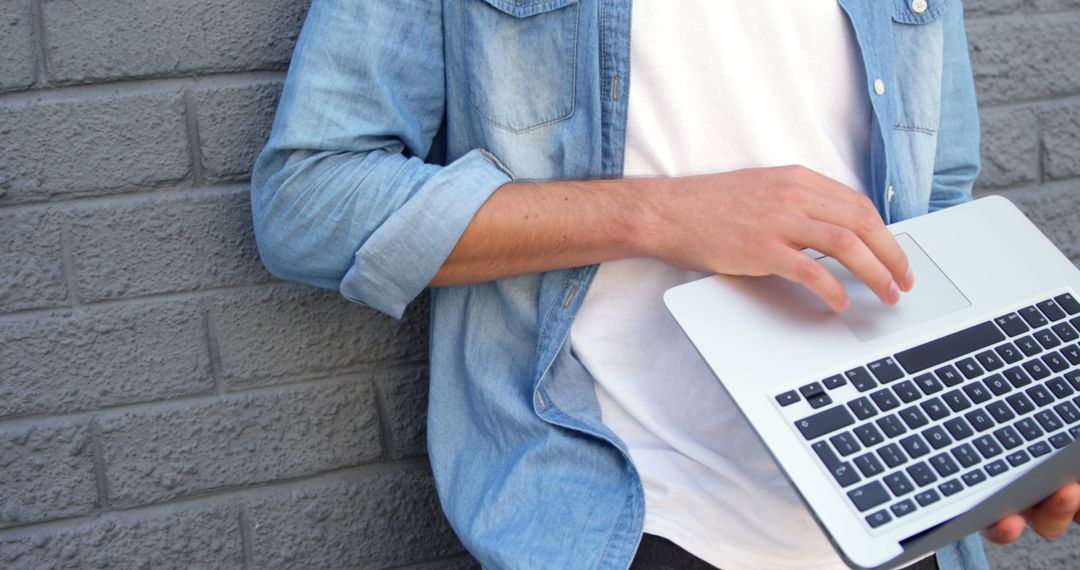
(644,214)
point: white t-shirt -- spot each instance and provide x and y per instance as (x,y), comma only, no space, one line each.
(717,85)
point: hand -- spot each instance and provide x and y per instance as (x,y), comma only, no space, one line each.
(755,221)
(1050,519)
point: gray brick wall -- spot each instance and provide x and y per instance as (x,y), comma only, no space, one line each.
(164,402)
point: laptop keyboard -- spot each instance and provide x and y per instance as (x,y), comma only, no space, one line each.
(950,414)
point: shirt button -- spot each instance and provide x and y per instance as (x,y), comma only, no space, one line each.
(889,193)
(918,6)
(879,87)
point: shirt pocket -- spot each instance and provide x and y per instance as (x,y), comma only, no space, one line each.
(520,59)
(917,56)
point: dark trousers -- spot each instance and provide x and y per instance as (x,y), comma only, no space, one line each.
(657,553)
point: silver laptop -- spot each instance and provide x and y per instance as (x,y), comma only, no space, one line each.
(905,428)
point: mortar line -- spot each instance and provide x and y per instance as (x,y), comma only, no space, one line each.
(245,538)
(110,88)
(69,268)
(99,465)
(213,349)
(194,144)
(420,564)
(382,416)
(37,33)
(170,191)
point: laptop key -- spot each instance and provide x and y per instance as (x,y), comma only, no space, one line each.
(860,379)
(788,398)
(914,446)
(987,446)
(936,437)
(921,474)
(969,368)
(862,408)
(956,400)
(927,497)
(869,464)
(948,375)
(959,429)
(1001,411)
(1009,353)
(1021,404)
(907,391)
(1065,332)
(995,468)
(1060,387)
(1020,457)
(1028,345)
(891,426)
(1017,377)
(946,348)
(1068,412)
(1072,354)
(1008,437)
(1041,395)
(1036,369)
(928,384)
(966,455)
(1039,449)
(972,478)
(996,383)
(950,487)
(979,420)
(1051,310)
(1055,362)
(819,401)
(812,389)
(845,443)
(1012,324)
(868,496)
(905,507)
(824,422)
(1048,420)
(977,392)
(845,474)
(868,435)
(1073,376)
(893,456)
(943,464)
(878,518)
(899,484)
(885,370)
(1069,303)
(913,417)
(833,382)
(1032,316)
(989,360)
(885,399)
(935,408)
(1060,440)
(826,454)
(1029,429)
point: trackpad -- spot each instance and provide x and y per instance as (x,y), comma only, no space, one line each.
(934,295)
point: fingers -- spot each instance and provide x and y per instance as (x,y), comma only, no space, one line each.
(1052,517)
(1006,530)
(846,246)
(799,268)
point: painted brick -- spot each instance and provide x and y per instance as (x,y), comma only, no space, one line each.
(164,245)
(1055,209)
(85,359)
(290,331)
(1010,146)
(982,7)
(405,398)
(1060,130)
(176,450)
(17,64)
(1051,5)
(172,538)
(234,124)
(46,472)
(1032,552)
(94,40)
(364,521)
(1019,59)
(464,562)
(31,262)
(91,146)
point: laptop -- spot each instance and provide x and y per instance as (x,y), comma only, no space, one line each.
(905,428)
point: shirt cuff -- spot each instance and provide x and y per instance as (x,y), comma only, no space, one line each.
(398,261)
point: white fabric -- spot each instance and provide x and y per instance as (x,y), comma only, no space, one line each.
(716,85)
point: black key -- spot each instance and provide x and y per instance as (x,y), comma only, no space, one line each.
(966,455)
(860,379)
(868,435)
(862,408)
(949,347)
(1060,440)
(891,426)
(973,478)
(1065,332)
(956,400)
(845,474)
(907,391)
(1067,412)
(1055,362)
(1069,303)
(899,484)
(948,375)
(1019,458)
(913,417)
(1001,411)
(845,443)
(997,384)
(1011,324)
(893,456)
(944,465)
(905,507)
(825,422)
(826,454)
(989,360)
(788,398)
(1009,352)
(1060,387)
(979,420)
(950,487)
(1040,395)
(936,437)
(1028,345)
(869,464)
(812,389)
(1008,437)
(1072,353)
(959,429)
(927,497)
(969,368)
(877,519)
(885,370)
(928,384)
(833,382)
(1039,449)
(1037,369)
(1074,432)
(868,496)
(1029,429)
(819,400)
(977,392)
(921,474)
(915,446)
(1016,377)
(1048,420)
(1073,376)
(1032,316)
(995,468)
(1051,310)
(987,446)
(935,408)
(1021,404)
(885,399)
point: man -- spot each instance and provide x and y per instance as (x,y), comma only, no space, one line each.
(656,136)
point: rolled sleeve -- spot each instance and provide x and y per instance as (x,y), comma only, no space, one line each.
(399,260)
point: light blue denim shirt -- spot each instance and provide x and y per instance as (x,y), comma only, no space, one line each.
(342,197)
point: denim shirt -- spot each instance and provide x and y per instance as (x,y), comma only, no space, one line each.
(343,198)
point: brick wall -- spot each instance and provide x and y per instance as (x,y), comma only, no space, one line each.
(164,402)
